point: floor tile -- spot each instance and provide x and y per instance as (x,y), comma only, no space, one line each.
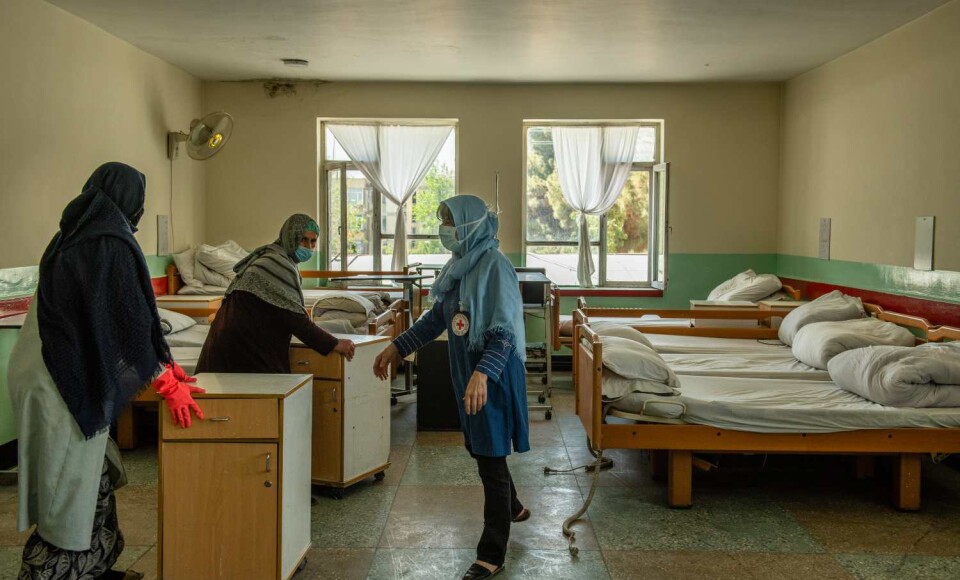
(356,521)
(545,434)
(10,558)
(554,565)
(406,564)
(399,455)
(141,465)
(147,564)
(9,536)
(337,564)
(527,468)
(637,518)
(647,565)
(440,465)
(873,567)
(137,514)
(452,517)
(130,556)
(435,517)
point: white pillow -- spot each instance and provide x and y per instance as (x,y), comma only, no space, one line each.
(342,301)
(171,321)
(737,281)
(834,306)
(754,289)
(645,370)
(207,277)
(185,265)
(356,319)
(610,328)
(221,259)
(815,344)
(337,326)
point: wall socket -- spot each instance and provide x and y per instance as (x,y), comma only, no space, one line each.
(824,238)
(163,235)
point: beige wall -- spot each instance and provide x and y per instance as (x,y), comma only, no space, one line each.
(722,142)
(872,140)
(72,98)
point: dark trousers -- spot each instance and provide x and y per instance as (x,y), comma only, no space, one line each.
(500,506)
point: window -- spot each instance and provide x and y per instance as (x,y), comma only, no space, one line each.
(628,243)
(361,221)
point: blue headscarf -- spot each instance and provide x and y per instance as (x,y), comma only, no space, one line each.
(489,290)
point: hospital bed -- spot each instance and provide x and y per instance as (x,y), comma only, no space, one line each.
(642,318)
(731,414)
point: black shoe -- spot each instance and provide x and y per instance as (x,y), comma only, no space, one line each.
(478,572)
(523,516)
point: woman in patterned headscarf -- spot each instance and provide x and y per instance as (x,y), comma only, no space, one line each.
(263,309)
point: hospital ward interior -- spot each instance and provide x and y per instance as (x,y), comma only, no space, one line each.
(448,289)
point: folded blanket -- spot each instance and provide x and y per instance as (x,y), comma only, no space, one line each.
(815,344)
(927,376)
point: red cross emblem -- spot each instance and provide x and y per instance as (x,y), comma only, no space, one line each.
(460,324)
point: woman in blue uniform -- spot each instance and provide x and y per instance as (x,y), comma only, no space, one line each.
(477,301)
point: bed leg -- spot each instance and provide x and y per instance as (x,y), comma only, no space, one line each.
(680,479)
(126,429)
(864,466)
(906,482)
(567,523)
(658,465)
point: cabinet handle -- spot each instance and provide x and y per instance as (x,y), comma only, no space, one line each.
(268,463)
(303,362)
(219,419)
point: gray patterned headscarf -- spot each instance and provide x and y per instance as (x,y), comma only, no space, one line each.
(270,272)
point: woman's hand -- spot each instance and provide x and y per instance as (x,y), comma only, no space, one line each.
(387,357)
(476,396)
(346,348)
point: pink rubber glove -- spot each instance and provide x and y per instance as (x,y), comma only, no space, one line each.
(182,376)
(177,396)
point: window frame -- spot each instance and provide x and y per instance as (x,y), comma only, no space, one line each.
(652,217)
(323,195)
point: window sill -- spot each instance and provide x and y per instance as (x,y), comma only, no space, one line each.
(610,292)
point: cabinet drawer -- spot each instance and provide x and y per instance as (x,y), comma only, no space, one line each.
(227,419)
(307,360)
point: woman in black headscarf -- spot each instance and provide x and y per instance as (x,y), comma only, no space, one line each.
(91,341)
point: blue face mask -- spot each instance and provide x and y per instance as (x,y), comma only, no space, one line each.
(448,237)
(303,254)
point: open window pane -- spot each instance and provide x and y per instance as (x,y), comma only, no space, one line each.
(627,232)
(360,222)
(561,263)
(334,230)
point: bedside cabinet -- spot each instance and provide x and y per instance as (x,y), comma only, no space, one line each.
(351,412)
(234,496)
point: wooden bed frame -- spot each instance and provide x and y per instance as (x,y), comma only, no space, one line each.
(673,445)
(560,341)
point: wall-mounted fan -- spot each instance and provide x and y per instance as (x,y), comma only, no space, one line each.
(207,136)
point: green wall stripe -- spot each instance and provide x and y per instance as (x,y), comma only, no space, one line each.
(938,285)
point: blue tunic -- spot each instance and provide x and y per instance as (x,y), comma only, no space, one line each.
(503,419)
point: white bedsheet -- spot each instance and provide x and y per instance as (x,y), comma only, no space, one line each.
(196,335)
(187,357)
(782,406)
(673,344)
(759,365)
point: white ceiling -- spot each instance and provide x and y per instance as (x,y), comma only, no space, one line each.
(500,40)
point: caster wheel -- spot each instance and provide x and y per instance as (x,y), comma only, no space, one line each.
(338,495)
(541,399)
(548,415)
(543,380)
(300,567)
(379,476)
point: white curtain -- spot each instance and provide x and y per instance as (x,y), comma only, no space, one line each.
(593,163)
(395,159)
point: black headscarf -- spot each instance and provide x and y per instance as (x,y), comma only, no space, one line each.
(101,335)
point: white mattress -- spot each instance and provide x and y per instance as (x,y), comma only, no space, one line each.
(646,320)
(205,290)
(672,344)
(195,336)
(779,364)
(187,357)
(781,406)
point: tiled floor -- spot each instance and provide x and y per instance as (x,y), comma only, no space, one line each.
(754,517)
